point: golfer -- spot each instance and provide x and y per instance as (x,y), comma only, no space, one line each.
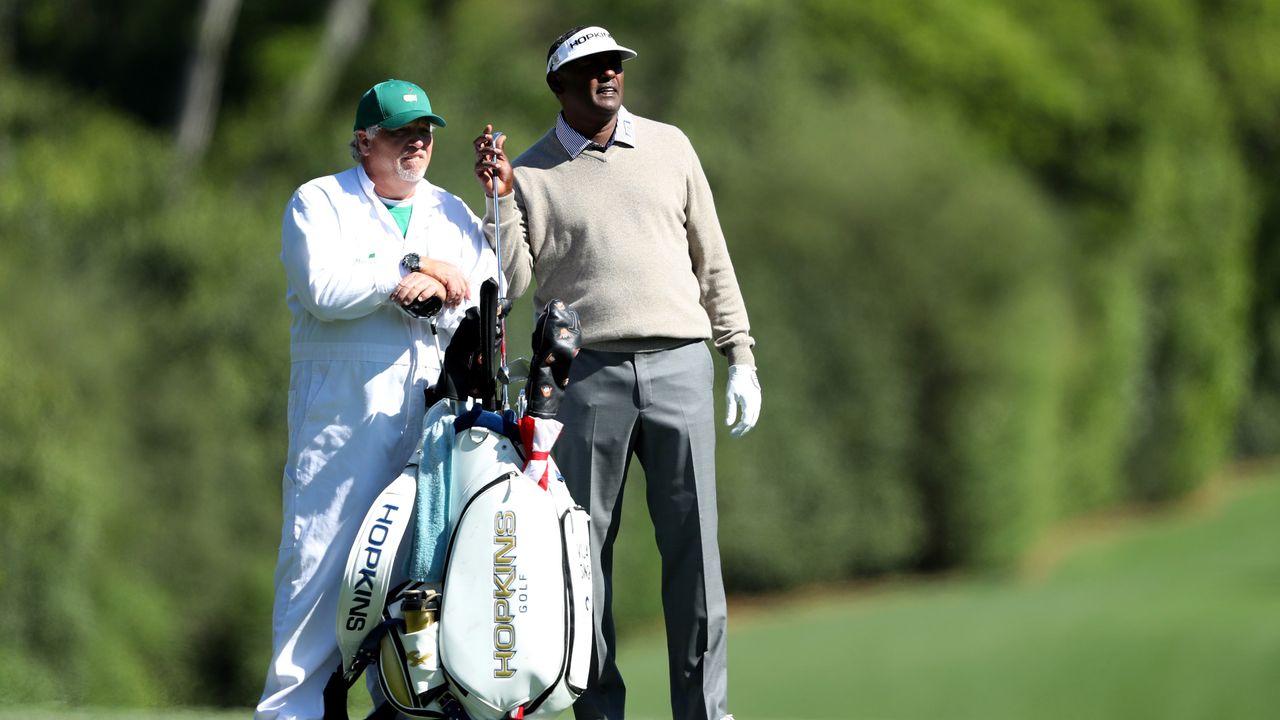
(611,212)
(359,247)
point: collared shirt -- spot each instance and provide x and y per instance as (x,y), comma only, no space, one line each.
(574,143)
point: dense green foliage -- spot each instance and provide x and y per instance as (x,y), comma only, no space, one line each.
(1006,262)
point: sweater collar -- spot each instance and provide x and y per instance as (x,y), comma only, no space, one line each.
(573,142)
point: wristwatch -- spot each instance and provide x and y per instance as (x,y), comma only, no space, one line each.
(420,308)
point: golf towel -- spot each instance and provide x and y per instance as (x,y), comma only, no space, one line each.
(430,531)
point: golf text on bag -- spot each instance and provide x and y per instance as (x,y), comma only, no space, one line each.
(505,577)
(357,615)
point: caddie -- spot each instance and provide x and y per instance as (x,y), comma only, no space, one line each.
(360,249)
(611,212)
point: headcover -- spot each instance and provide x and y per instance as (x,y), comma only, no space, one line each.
(421,309)
(474,353)
(462,375)
(556,338)
(490,343)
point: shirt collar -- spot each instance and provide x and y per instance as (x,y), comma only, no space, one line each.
(573,142)
(423,197)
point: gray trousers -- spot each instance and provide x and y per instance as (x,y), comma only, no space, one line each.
(658,407)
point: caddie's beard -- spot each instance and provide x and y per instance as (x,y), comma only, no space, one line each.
(410,174)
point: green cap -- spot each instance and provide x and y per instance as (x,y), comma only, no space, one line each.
(393,104)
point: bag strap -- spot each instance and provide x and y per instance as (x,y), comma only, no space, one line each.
(340,682)
(370,564)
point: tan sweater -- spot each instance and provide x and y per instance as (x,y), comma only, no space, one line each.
(629,237)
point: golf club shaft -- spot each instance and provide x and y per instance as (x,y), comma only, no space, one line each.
(502,277)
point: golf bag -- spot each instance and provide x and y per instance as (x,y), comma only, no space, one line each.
(509,634)
(516,617)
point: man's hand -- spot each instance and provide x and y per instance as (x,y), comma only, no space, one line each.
(417,286)
(456,286)
(742,392)
(492,166)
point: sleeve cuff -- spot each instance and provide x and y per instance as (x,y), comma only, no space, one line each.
(741,355)
(389,277)
(506,203)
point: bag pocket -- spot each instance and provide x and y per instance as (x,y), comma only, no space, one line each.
(575,528)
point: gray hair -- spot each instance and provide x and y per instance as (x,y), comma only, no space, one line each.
(371,132)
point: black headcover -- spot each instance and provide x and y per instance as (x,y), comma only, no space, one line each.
(556,339)
(490,343)
(428,308)
(461,377)
(470,361)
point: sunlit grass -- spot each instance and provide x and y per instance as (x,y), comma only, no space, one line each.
(1169,617)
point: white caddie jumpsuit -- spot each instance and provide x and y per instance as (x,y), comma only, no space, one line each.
(359,368)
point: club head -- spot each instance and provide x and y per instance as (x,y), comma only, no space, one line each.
(518,368)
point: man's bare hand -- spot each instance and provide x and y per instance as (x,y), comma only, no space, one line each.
(456,286)
(492,166)
(417,286)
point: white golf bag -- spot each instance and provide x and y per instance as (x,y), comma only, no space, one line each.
(509,634)
(513,633)
(516,618)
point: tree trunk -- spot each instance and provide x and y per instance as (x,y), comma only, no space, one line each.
(204,79)
(344,28)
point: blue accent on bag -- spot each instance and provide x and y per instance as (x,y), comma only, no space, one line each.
(504,424)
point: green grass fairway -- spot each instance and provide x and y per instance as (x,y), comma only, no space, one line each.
(1165,617)
(1172,617)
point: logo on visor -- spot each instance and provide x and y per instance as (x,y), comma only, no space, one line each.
(587,36)
(566,50)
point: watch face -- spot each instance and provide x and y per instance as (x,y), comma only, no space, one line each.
(411,262)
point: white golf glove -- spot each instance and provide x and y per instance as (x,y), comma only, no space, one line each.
(742,392)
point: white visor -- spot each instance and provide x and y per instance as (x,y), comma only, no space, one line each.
(587,41)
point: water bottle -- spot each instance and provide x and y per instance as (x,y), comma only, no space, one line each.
(419,608)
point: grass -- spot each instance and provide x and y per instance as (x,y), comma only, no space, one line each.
(1173,616)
